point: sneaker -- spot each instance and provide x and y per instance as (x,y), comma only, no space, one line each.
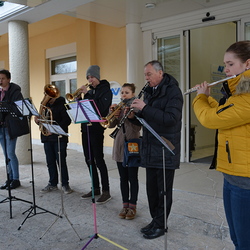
(89,194)
(123,213)
(49,188)
(130,214)
(66,189)
(105,197)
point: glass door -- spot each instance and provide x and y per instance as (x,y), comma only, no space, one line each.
(207,48)
(170,52)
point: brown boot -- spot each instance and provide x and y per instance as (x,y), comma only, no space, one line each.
(130,213)
(122,214)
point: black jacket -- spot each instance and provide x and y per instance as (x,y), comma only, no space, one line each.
(11,95)
(163,112)
(102,95)
(61,117)
(16,126)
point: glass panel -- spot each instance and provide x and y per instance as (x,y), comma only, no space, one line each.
(168,53)
(207,48)
(72,85)
(247,31)
(61,86)
(64,65)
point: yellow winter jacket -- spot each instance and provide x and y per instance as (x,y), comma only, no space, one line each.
(233,123)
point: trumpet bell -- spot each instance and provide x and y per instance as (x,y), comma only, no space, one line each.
(106,122)
(70,97)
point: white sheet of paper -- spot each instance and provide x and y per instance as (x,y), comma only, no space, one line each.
(54,129)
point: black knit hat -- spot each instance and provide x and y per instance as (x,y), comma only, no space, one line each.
(93,70)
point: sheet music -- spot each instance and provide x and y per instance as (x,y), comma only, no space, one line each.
(22,108)
(75,115)
(26,107)
(55,129)
(146,125)
(87,115)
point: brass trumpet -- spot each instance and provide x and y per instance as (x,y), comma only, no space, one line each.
(111,117)
(72,97)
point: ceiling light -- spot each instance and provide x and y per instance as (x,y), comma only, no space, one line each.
(150,5)
(10,9)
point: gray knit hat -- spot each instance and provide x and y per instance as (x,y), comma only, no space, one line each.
(93,70)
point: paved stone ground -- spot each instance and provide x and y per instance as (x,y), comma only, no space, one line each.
(197,220)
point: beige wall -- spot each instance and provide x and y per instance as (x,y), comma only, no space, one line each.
(95,44)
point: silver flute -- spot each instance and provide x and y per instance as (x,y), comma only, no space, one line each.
(189,91)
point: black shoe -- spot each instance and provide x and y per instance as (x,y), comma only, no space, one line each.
(154,233)
(147,228)
(14,184)
(5,185)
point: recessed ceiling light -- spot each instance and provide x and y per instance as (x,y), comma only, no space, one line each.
(150,5)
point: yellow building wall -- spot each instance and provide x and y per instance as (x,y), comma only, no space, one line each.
(95,44)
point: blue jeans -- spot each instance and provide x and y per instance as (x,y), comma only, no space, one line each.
(10,146)
(237,209)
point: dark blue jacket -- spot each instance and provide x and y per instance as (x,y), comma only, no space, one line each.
(163,112)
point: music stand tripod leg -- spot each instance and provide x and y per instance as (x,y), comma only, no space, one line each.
(62,210)
(32,211)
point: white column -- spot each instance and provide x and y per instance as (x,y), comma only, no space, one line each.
(19,69)
(135,63)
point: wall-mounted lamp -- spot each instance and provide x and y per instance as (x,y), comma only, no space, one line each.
(208,17)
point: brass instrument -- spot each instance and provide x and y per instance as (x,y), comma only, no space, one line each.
(114,133)
(189,91)
(72,97)
(50,91)
(111,117)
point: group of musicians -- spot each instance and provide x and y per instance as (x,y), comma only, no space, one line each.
(161,109)
(162,96)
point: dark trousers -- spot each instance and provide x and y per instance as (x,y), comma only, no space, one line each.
(94,157)
(128,183)
(52,159)
(155,193)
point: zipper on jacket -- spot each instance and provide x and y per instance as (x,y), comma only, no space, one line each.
(220,110)
(228,152)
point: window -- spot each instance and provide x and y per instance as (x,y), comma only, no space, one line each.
(63,74)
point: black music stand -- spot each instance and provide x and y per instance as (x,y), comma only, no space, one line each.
(166,144)
(86,111)
(6,107)
(26,108)
(54,128)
